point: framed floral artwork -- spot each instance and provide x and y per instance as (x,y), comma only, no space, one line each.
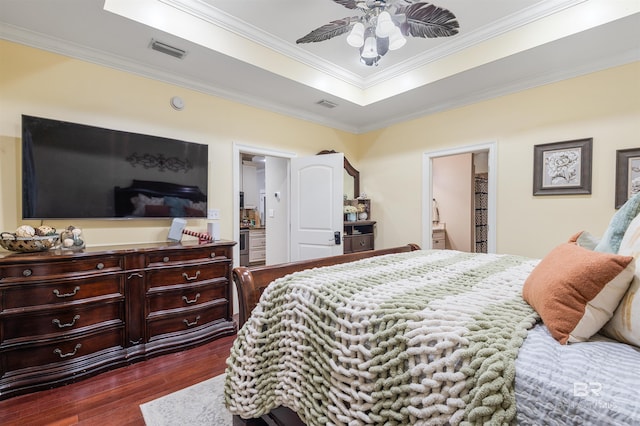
(562,168)
(627,174)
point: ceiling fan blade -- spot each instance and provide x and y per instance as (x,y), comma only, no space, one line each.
(429,21)
(328,31)
(349,4)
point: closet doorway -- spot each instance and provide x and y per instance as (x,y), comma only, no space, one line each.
(459,199)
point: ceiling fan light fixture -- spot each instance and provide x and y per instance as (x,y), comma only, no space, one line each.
(396,39)
(370,48)
(384,25)
(356,36)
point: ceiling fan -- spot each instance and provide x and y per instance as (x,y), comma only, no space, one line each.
(384,24)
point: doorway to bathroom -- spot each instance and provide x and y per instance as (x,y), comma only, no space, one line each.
(459,198)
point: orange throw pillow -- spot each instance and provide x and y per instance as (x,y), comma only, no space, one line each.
(576,290)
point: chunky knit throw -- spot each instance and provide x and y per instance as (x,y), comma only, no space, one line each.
(426,337)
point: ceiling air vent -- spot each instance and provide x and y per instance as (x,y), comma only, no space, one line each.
(327,104)
(166,49)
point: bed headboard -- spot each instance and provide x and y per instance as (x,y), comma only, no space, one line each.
(160,199)
(252,282)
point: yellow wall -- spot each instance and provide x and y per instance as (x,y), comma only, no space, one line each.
(603,105)
(39,83)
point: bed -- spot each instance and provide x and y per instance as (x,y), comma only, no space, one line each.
(406,336)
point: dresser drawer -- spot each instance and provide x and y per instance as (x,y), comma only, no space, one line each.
(43,270)
(187,296)
(179,257)
(59,321)
(61,350)
(361,242)
(62,291)
(163,277)
(185,320)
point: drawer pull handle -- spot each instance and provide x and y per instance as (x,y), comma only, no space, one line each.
(75,291)
(135,274)
(100,266)
(191,324)
(362,243)
(189,302)
(61,355)
(165,259)
(212,255)
(135,342)
(71,324)
(188,278)
(27,272)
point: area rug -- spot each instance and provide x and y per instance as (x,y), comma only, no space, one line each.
(200,404)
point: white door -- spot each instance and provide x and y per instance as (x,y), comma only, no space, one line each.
(316,206)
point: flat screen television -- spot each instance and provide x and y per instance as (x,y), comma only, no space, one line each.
(76,171)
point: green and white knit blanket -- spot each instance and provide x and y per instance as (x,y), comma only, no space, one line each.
(425,337)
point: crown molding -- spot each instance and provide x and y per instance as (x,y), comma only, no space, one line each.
(493,92)
(66,48)
(472,38)
(83,53)
(207,12)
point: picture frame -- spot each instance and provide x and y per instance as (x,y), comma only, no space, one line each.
(627,170)
(562,168)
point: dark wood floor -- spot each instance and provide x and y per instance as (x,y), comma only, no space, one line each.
(114,397)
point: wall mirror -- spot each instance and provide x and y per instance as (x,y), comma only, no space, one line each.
(351,177)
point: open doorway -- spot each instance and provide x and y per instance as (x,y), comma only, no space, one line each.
(459,199)
(303,216)
(261,205)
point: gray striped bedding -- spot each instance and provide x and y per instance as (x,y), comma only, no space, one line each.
(590,383)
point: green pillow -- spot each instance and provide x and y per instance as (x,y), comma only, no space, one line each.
(610,242)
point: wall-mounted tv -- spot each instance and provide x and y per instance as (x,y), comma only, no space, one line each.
(76,171)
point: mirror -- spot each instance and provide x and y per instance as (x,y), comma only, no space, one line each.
(351,177)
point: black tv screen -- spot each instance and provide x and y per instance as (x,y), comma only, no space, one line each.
(76,171)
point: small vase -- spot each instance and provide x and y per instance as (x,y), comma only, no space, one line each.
(362,216)
(351,217)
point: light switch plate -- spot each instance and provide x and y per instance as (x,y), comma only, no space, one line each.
(213,214)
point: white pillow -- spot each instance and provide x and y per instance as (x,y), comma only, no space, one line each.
(624,326)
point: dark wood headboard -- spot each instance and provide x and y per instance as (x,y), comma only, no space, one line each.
(251,282)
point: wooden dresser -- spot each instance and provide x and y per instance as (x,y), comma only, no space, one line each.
(68,315)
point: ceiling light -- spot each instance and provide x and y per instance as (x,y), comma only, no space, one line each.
(384,25)
(356,36)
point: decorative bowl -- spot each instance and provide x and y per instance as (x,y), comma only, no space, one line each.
(12,242)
